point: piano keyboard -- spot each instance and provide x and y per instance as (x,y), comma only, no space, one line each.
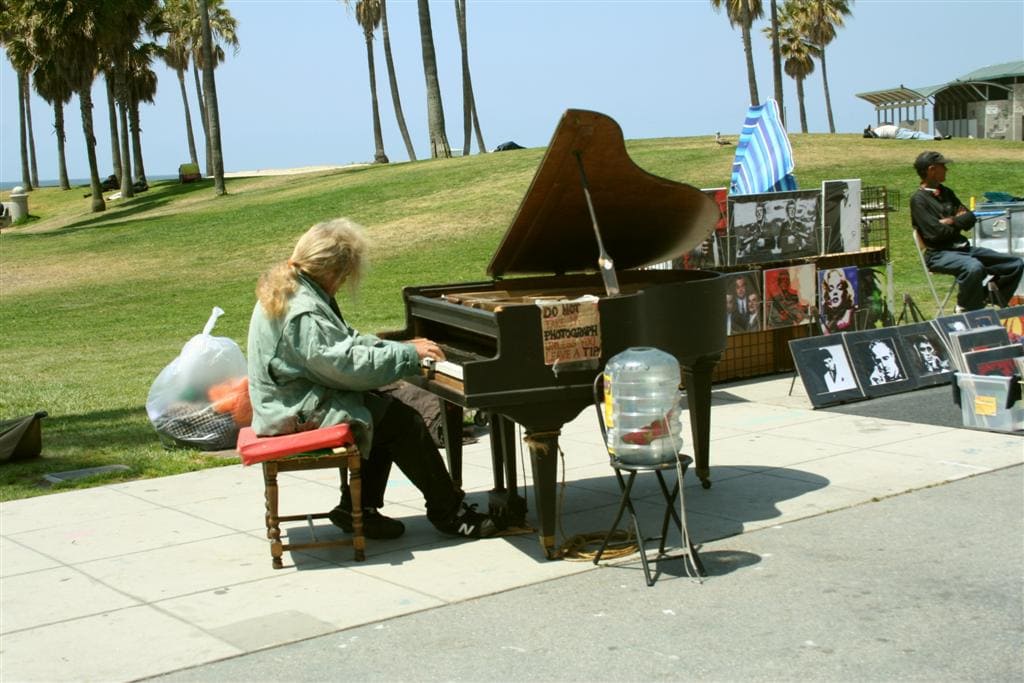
(443,367)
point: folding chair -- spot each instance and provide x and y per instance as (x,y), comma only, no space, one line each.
(919,244)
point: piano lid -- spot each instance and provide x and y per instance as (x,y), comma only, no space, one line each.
(643,219)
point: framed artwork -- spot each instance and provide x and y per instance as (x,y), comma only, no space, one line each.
(840,224)
(879,362)
(838,299)
(926,354)
(744,312)
(962,342)
(1012,318)
(773,226)
(997,360)
(825,371)
(710,252)
(983,317)
(948,324)
(871,302)
(788,296)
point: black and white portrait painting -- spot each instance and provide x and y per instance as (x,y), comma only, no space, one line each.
(773,226)
(841,215)
(926,353)
(743,304)
(825,370)
(878,362)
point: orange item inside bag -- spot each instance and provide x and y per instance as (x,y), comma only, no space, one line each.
(232,397)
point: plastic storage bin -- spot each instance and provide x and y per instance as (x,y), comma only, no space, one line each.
(990,402)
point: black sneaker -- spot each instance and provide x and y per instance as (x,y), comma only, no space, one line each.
(469,523)
(375,525)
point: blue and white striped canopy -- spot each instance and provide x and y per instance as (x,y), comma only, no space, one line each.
(764,158)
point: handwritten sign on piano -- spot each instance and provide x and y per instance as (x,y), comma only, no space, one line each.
(571,330)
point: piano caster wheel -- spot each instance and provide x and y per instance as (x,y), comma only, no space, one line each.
(481,419)
(705,483)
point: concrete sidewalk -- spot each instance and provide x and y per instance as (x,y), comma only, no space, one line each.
(137,579)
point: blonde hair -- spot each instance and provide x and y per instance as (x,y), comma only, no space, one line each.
(332,253)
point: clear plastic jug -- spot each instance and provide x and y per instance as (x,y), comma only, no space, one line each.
(641,406)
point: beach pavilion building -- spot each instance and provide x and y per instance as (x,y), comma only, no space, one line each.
(985,103)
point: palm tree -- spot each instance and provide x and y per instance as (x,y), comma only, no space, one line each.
(27,94)
(742,13)
(435,108)
(55,89)
(14,37)
(115,149)
(184,29)
(823,17)
(469,115)
(393,82)
(777,60)
(176,55)
(368,17)
(71,40)
(210,95)
(797,52)
(142,83)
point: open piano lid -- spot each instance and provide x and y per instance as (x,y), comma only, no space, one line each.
(643,219)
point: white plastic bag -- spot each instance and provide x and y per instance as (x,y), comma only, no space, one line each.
(196,400)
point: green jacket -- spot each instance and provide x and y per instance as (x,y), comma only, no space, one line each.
(310,368)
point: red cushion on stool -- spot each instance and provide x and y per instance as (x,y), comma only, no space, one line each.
(254,449)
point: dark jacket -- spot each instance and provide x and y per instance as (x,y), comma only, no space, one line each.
(929,207)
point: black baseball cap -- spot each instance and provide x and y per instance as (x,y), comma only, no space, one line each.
(926,159)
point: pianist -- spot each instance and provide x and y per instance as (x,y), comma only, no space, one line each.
(309,368)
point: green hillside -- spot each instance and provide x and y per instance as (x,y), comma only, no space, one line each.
(92,306)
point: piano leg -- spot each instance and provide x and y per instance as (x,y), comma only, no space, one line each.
(544,458)
(505,501)
(698,394)
(451,416)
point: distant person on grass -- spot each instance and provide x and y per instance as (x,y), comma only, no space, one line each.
(308,368)
(939,217)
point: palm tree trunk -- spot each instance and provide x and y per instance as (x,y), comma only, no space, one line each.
(748,51)
(468,100)
(205,120)
(126,160)
(188,119)
(777,60)
(58,126)
(115,150)
(133,121)
(467,106)
(393,82)
(210,92)
(435,108)
(828,99)
(800,98)
(26,177)
(31,137)
(379,157)
(85,102)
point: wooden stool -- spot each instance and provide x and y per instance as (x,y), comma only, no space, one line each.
(273,452)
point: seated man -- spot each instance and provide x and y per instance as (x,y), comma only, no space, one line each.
(939,217)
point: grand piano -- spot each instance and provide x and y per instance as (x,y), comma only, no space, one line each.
(525,346)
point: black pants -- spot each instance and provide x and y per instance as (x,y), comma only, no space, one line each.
(401,437)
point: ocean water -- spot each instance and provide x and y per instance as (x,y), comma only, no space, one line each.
(78,182)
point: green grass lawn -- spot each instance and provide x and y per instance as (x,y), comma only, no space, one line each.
(93,306)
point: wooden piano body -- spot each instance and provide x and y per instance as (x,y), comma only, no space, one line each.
(493,329)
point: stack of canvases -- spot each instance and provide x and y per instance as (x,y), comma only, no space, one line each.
(852,366)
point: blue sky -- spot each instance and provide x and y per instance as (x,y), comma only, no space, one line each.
(297,93)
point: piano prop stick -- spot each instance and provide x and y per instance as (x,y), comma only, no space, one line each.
(604,262)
